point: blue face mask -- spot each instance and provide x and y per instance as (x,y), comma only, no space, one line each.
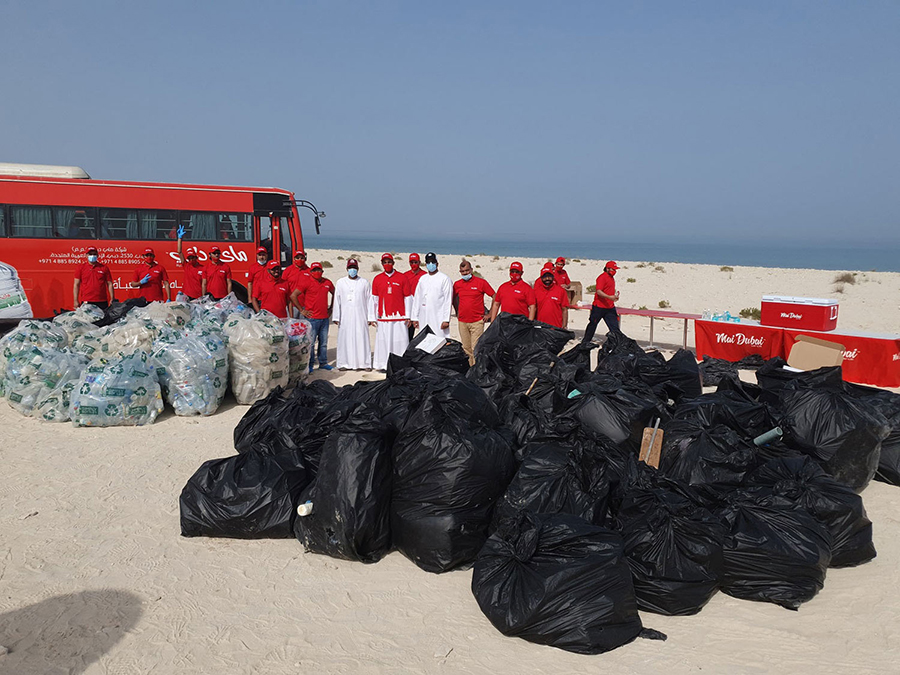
(466,277)
(431,267)
(92,258)
(352,272)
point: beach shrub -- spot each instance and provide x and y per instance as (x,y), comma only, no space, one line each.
(576,259)
(726,268)
(631,280)
(326,264)
(340,257)
(839,288)
(495,258)
(845,278)
(751,313)
(592,288)
(659,268)
(664,304)
(643,307)
(376,267)
(641,265)
(476,273)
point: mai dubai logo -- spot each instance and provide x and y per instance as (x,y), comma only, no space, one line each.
(740,339)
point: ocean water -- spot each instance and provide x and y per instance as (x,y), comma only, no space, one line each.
(883,259)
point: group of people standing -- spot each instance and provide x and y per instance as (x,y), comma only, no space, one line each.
(398,304)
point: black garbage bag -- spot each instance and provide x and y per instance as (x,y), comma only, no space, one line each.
(526,419)
(673,546)
(350,498)
(249,496)
(117,310)
(840,432)
(258,425)
(715,456)
(448,473)
(558,478)
(712,371)
(772,377)
(773,552)
(734,409)
(512,334)
(557,580)
(449,357)
(888,405)
(488,374)
(684,373)
(579,355)
(620,415)
(311,437)
(806,485)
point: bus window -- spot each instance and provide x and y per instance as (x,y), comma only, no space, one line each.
(284,228)
(74,223)
(158,225)
(235,227)
(31,221)
(118,224)
(265,234)
(2,221)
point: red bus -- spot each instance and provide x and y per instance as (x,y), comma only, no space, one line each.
(51,215)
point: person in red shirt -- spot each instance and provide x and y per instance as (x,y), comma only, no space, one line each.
(604,306)
(391,300)
(193,272)
(258,268)
(217,275)
(515,296)
(552,299)
(151,278)
(559,272)
(317,308)
(468,298)
(271,292)
(298,274)
(93,282)
(413,274)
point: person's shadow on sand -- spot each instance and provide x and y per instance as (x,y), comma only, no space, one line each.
(66,633)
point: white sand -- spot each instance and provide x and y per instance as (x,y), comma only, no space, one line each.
(95,578)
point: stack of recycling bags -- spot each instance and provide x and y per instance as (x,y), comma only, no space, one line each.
(258,349)
(123,391)
(299,337)
(29,334)
(192,369)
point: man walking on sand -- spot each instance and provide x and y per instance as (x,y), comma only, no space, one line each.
(391,304)
(468,298)
(604,306)
(515,296)
(433,299)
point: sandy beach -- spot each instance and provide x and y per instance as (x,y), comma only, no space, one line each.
(95,577)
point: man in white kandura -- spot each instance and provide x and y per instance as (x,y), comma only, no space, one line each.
(391,302)
(433,300)
(352,300)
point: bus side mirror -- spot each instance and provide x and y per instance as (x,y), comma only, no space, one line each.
(318,224)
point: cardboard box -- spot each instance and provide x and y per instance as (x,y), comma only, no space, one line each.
(575,292)
(809,353)
(799,313)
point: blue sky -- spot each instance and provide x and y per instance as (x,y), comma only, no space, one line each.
(711,121)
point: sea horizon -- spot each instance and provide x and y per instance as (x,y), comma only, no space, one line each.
(836,257)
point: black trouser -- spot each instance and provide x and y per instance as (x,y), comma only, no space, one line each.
(608,314)
(412,332)
(101,305)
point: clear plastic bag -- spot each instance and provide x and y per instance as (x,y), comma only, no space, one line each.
(174,314)
(121,392)
(299,337)
(36,374)
(27,334)
(258,350)
(193,371)
(125,337)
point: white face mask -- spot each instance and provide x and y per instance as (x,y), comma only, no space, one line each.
(262,260)
(92,258)
(352,272)
(466,277)
(431,267)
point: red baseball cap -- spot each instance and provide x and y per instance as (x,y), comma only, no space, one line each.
(91,250)
(262,249)
(516,267)
(316,266)
(611,265)
(192,251)
(215,249)
(548,267)
(414,257)
(387,256)
(272,264)
(561,259)
(300,254)
(351,262)
(149,251)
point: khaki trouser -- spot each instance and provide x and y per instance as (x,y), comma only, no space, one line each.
(468,335)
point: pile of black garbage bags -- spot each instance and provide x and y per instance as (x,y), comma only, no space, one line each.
(525,467)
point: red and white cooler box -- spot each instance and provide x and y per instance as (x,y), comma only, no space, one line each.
(799,313)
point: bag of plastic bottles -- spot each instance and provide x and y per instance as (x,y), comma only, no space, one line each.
(258,350)
(299,337)
(120,392)
(193,371)
(35,374)
(27,334)
(125,337)
(219,311)
(174,314)
(80,321)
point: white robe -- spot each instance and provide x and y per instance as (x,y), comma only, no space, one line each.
(432,303)
(392,336)
(352,300)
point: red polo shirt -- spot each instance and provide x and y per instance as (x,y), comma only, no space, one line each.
(562,277)
(412,279)
(515,298)
(217,276)
(193,280)
(153,289)
(606,284)
(550,303)
(315,297)
(255,269)
(93,282)
(471,298)
(273,296)
(297,277)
